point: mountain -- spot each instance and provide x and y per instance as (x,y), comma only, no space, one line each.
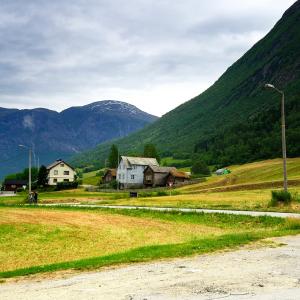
(53,135)
(235,120)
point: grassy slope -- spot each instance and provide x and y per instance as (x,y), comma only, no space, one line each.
(91,178)
(236,97)
(55,239)
(252,173)
(246,188)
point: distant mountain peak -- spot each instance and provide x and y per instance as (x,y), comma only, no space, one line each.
(113,105)
(54,134)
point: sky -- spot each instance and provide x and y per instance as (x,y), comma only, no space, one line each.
(152,54)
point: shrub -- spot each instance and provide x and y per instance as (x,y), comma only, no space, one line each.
(66,185)
(162,193)
(100,173)
(113,184)
(200,168)
(280,197)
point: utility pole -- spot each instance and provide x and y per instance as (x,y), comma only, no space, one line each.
(285,185)
(283,138)
(117,172)
(29,167)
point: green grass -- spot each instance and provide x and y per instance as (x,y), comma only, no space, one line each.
(37,233)
(141,254)
(91,178)
(248,187)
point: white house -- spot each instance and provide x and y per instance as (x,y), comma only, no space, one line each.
(130,172)
(60,171)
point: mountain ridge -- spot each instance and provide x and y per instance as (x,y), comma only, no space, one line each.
(205,123)
(54,134)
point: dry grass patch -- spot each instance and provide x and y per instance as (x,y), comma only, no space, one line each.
(252,173)
(31,237)
(238,200)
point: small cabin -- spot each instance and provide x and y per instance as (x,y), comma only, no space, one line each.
(109,175)
(176,177)
(156,176)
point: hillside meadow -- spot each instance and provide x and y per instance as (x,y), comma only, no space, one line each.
(52,239)
(248,187)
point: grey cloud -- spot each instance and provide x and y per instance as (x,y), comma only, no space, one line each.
(64,49)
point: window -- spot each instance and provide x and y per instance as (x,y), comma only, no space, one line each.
(54,180)
(148,177)
(123,176)
(66,172)
(132,176)
(134,167)
(66,180)
(62,165)
(55,172)
(119,176)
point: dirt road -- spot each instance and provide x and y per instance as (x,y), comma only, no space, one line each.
(188,210)
(262,273)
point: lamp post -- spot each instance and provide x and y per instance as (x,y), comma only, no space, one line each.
(29,167)
(283,140)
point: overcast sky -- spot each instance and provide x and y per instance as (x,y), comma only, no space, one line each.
(153,54)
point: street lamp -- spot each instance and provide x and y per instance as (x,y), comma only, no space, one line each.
(29,167)
(283,140)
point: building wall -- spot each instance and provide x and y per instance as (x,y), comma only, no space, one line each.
(57,174)
(148,177)
(160,179)
(130,177)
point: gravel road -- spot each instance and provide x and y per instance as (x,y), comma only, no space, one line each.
(196,210)
(262,273)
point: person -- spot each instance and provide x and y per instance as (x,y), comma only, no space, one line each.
(35,197)
(31,197)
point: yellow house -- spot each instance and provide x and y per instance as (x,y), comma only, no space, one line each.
(60,171)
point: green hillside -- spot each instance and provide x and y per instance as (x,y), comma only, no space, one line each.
(235,120)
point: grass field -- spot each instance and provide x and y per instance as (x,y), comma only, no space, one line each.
(36,240)
(257,200)
(248,187)
(91,178)
(258,173)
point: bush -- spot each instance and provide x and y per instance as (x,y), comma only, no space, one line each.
(200,168)
(100,173)
(113,184)
(66,185)
(280,197)
(162,193)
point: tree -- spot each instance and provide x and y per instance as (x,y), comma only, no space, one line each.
(199,167)
(113,157)
(42,179)
(150,151)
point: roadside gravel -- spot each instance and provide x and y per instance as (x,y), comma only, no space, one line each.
(262,273)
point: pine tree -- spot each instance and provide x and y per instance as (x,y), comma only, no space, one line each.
(113,157)
(42,179)
(150,151)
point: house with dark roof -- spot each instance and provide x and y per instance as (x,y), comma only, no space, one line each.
(60,171)
(163,176)
(14,184)
(156,176)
